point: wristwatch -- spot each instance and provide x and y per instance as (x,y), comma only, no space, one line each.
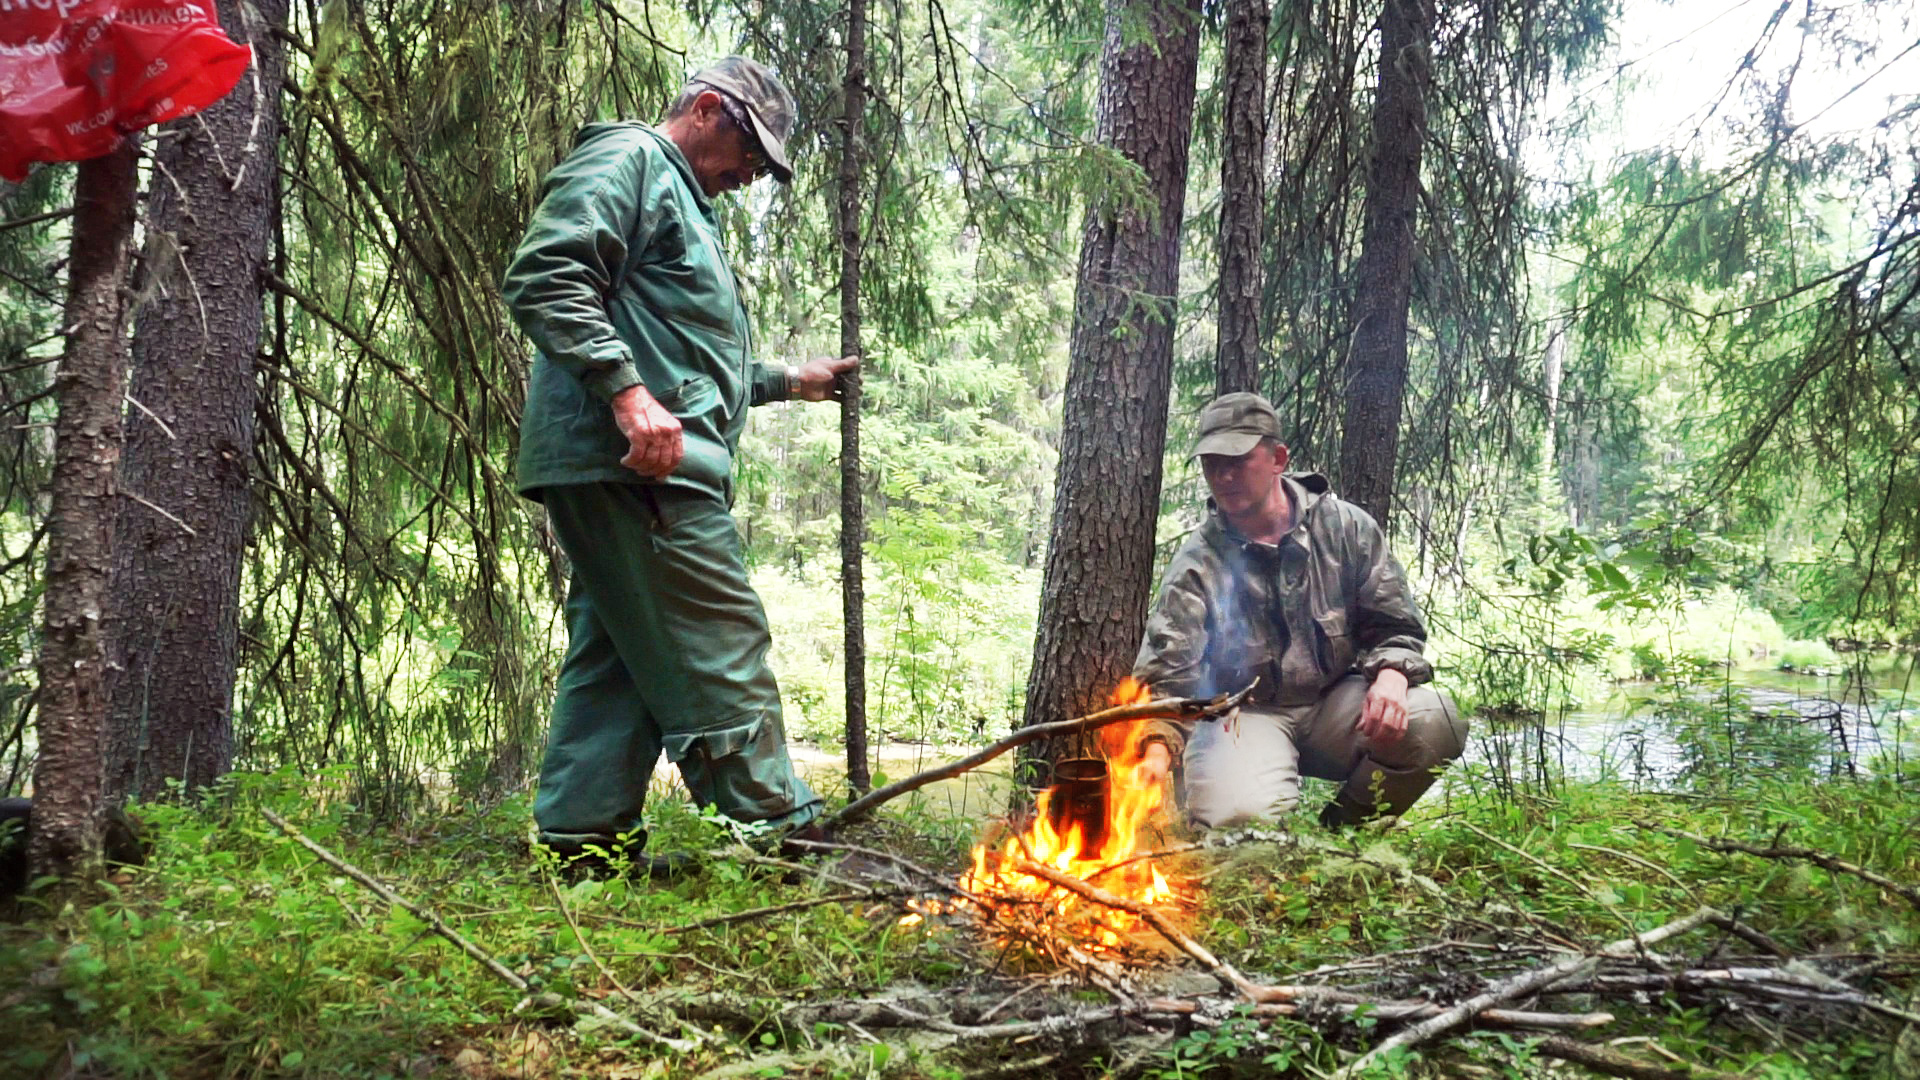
(793,381)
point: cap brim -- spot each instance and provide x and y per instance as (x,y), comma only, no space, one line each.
(1228,443)
(775,150)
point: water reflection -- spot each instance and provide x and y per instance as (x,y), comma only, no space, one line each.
(1728,727)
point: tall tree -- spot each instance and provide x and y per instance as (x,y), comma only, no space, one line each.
(853,527)
(174,614)
(69,779)
(1243,197)
(1099,570)
(1376,379)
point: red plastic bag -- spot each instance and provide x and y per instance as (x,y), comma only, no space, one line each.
(75,75)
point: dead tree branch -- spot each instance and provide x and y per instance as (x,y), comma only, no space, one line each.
(479,955)
(1520,985)
(1909,893)
(1166,709)
(1613,1063)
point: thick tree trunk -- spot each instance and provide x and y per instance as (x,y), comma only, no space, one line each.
(1099,569)
(69,779)
(182,530)
(1243,198)
(853,521)
(1377,367)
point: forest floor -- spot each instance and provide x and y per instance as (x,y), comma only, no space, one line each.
(238,952)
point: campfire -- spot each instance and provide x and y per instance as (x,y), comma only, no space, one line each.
(1092,824)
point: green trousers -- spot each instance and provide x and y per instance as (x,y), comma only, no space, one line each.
(667,651)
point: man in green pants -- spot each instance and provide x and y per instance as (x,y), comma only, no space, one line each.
(637,399)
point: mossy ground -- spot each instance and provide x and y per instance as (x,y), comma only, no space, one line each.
(236,953)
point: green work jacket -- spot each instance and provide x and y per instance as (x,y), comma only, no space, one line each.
(620,280)
(1328,600)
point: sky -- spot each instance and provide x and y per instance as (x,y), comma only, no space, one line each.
(1672,60)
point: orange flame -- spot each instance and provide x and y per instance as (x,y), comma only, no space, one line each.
(1131,803)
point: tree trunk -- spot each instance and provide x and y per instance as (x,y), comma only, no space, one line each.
(1099,569)
(69,779)
(174,614)
(853,522)
(1377,367)
(1243,198)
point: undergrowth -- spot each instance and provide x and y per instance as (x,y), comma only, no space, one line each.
(236,953)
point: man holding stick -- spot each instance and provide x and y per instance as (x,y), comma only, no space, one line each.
(637,400)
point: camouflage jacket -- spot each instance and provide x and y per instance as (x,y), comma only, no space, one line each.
(1327,600)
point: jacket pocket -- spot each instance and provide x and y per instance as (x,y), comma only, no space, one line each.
(692,397)
(1332,647)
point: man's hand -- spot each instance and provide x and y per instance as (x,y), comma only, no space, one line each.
(1155,763)
(1384,717)
(653,434)
(819,377)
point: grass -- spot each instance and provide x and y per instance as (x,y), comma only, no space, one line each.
(237,954)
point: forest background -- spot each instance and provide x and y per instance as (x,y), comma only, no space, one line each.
(1657,416)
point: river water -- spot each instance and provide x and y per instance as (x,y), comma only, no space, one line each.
(1852,723)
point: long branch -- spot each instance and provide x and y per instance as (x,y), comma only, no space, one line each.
(1221,969)
(479,955)
(1164,709)
(1524,983)
(1819,858)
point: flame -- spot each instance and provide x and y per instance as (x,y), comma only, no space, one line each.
(1131,803)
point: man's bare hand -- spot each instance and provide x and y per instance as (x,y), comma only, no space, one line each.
(1384,717)
(819,378)
(1155,763)
(654,446)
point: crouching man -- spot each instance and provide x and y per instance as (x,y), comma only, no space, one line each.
(1289,584)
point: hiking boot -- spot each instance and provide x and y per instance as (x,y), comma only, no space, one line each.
(794,845)
(604,859)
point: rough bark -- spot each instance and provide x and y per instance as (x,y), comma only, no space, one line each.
(1099,570)
(853,522)
(1243,197)
(1376,379)
(69,779)
(174,615)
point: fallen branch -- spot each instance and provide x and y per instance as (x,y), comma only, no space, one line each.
(1165,709)
(1613,1063)
(1221,970)
(781,909)
(1819,858)
(1520,985)
(479,955)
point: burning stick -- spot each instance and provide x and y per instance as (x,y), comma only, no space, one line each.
(1220,968)
(1165,709)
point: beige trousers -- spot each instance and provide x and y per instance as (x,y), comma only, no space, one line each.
(1249,769)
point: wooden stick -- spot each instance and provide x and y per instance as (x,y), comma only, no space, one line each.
(479,955)
(1402,1010)
(1519,985)
(1613,1063)
(1165,709)
(1819,858)
(779,909)
(1221,970)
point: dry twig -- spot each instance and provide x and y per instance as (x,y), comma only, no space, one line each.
(1909,893)
(1165,709)
(479,955)
(1613,1063)
(1519,985)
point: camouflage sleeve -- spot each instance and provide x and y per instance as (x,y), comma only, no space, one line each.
(1386,625)
(1172,658)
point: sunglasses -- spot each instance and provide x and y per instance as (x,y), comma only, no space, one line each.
(737,114)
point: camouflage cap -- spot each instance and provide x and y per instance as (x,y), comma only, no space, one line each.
(766,100)
(1233,424)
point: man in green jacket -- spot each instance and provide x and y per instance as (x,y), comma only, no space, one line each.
(1286,583)
(636,403)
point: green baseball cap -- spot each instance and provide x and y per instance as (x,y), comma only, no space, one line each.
(1233,424)
(769,106)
